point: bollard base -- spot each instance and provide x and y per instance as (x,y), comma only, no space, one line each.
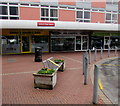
(38,60)
(85,83)
(94,103)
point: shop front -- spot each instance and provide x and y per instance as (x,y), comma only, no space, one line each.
(24,36)
(69,41)
(24,41)
(105,40)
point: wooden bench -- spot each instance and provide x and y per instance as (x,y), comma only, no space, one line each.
(47,81)
(50,64)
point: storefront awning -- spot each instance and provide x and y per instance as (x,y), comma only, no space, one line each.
(59,25)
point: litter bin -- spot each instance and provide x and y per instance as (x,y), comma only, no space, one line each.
(38,54)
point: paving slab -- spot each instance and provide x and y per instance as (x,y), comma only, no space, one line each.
(18,85)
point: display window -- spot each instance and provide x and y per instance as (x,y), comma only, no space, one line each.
(40,41)
(97,42)
(62,44)
(10,44)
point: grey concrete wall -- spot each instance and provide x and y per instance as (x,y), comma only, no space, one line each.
(9,0)
(112,7)
(48,2)
(83,4)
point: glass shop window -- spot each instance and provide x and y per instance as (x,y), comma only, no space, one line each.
(40,41)
(115,42)
(62,44)
(10,44)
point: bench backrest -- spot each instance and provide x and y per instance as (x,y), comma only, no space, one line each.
(49,63)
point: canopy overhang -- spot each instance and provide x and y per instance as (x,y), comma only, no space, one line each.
(57,25)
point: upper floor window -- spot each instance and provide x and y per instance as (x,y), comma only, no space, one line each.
(3,17)
(9,12)
(50,14)
(83,16)
(108,16)
(3,3)
(44,12)
(112,2)
(79,14)
(53,13)
(86,15)
(111,18)
(13,10)
(3,10)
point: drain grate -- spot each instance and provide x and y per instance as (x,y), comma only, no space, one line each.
(11,60)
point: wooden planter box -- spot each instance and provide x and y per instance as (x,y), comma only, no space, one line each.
(62,68)
(45,81)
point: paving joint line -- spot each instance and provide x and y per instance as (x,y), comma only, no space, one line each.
(17,73)
(32,72)
(71,58)
(73,68)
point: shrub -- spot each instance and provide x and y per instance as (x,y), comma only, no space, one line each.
(46,71)
(58,60)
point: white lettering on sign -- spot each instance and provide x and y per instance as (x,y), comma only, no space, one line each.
(45,24)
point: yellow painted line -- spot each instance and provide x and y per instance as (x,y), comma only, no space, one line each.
(100,84)
(109,65)
(54,63)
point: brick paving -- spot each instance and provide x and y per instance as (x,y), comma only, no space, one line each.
(18,85)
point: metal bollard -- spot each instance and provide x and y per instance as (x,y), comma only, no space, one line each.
(101,53)
(86,71)
(89,56)
(95,88)
(109,52)
(116,51)
(86,53)
(95,54)
(83,63)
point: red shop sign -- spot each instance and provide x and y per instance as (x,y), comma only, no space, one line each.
(45,24)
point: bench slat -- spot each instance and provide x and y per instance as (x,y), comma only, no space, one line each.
(49,63)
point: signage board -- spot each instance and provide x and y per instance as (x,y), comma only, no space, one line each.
(45,24)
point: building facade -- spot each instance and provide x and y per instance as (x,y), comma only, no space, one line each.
(50,33)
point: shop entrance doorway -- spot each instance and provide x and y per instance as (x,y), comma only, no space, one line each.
(81,43)
(107,42)
(25,44)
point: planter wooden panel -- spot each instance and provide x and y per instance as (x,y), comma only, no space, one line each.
(45,81)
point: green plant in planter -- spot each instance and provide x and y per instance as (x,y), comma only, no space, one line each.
(46,71)
(58,60)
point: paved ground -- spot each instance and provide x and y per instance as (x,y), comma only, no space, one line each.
(109,77)
(18,86)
